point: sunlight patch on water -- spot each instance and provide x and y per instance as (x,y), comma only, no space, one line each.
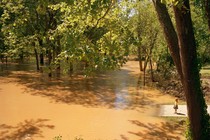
(121,92)
(121,101)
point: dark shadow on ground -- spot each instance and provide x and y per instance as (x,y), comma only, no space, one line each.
(115,89)
(28,128)
(163,131)
(181,114)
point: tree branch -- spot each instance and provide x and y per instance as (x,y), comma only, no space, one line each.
(107,11)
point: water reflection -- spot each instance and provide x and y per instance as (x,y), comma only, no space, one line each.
(121,93)
(6,69)
(113,89)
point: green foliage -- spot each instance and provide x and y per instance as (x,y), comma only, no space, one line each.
(85,31)
(205,124)
(2,45)
(174,2)
(94,33)
(201,34)
(143,29)
(188,133)
(88,37)
(165,65)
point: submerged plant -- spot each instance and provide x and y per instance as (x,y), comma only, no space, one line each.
(60,138)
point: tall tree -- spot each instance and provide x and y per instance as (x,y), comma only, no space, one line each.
(187,66)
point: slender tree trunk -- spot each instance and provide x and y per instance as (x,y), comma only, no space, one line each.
(151,70)
(41,56)
(140,59)
(58,51)
(191,78)
(71,68)
(53,52)
(6,59)
(2,58)
(152,45)
(144,70)
(144,82)
(37,59)
(49,62)
(21,57)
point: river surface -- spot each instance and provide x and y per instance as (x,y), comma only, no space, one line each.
(109,106)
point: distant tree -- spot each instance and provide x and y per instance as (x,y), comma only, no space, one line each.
(144,30)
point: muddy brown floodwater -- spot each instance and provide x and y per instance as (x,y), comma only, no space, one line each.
(108,106)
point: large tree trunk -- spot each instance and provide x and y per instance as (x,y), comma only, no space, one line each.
(183,52)
(191,79)
(169,33)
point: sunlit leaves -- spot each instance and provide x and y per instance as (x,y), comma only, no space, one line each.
(84,28)
(177,3)
(87,32)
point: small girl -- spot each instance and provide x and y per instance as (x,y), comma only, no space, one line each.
(176,105)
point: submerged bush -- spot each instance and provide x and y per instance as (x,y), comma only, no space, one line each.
(60,138)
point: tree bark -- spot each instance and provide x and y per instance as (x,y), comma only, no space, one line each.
(191,78)
(183,52)
(37,59)
(169,33)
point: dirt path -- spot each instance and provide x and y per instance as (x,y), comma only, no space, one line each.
(107,107)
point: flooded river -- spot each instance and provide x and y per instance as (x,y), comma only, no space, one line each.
(108,106)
